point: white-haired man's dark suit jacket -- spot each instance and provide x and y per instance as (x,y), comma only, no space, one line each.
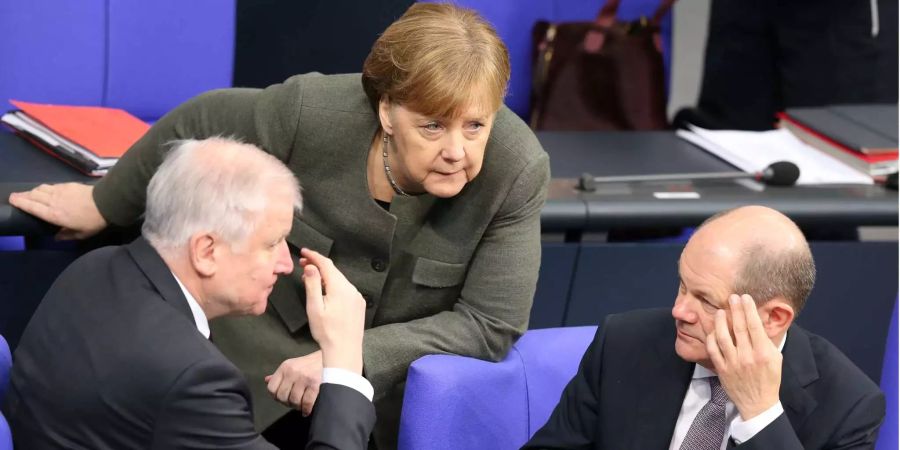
(112,359)
(631,385)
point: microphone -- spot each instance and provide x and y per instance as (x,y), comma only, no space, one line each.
(781,173)
(891,181)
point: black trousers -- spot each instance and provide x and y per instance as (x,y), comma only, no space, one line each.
(763,56)
(290,432)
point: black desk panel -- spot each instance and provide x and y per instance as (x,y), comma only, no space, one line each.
(564,210)
(21,162)
(606,153)
(552,294)
(624,205)
(851,304)
(635,204)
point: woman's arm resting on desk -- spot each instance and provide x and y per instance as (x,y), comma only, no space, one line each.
(120,196)
(69,205)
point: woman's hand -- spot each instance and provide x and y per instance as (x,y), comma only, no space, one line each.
(69,205)
(296,382)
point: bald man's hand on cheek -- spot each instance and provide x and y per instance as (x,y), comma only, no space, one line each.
(749,364)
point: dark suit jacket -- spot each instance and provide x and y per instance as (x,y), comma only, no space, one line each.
(112,359)
(631,384)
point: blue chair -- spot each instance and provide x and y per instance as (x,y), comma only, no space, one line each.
(5,365)
(144,57)
(887,437)
(455,402)
(12,243)
(514,20)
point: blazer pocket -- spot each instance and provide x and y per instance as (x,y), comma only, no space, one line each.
(438,274)
(302,235)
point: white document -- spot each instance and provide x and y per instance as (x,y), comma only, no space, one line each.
(676,195)
(753,151)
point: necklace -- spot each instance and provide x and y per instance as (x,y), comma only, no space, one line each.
(387,168)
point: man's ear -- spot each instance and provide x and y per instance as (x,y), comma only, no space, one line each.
(384,114)
(777,315)
(202,250)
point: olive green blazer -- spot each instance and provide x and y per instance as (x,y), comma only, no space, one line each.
(453,276)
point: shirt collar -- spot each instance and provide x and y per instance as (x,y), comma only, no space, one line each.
(199,316)
(703,372)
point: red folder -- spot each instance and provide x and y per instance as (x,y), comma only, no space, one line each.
(106,132)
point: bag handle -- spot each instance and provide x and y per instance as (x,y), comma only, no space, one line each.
(607,15)
(593,39)
(661,11)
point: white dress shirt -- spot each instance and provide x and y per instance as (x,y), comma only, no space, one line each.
(330,375)
(196,310)
(699,393)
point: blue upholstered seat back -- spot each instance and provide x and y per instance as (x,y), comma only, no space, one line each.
(144,57)
(887,437)
(454,402)
(5,365)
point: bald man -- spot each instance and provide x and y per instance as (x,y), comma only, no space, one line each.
(731,369)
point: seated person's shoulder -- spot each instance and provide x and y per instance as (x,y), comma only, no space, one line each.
(338,93)
(836,372)
(840,392)
(105,300)
(86,281)
(95,259)
(641,324)
(514,135)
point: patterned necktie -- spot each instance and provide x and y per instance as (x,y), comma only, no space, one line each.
(708,428)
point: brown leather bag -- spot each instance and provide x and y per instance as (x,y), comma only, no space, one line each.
(600,75)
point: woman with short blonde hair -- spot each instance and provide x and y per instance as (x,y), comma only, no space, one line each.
(437,76)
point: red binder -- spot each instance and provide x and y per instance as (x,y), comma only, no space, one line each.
(106,132)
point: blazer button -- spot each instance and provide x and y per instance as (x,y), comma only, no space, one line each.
(378,265)
(368,299)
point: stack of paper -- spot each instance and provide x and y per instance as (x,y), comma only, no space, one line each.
(753,151)
(91,139)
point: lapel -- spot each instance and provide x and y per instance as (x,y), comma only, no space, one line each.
(667,380)
(411,213)
(798,372)
(159,275)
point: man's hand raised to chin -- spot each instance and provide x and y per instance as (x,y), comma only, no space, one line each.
(336,319)
(337,316)
(748,366)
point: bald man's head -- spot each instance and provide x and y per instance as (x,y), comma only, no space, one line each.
(771,256)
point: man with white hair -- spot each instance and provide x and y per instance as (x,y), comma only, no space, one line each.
(118,353)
